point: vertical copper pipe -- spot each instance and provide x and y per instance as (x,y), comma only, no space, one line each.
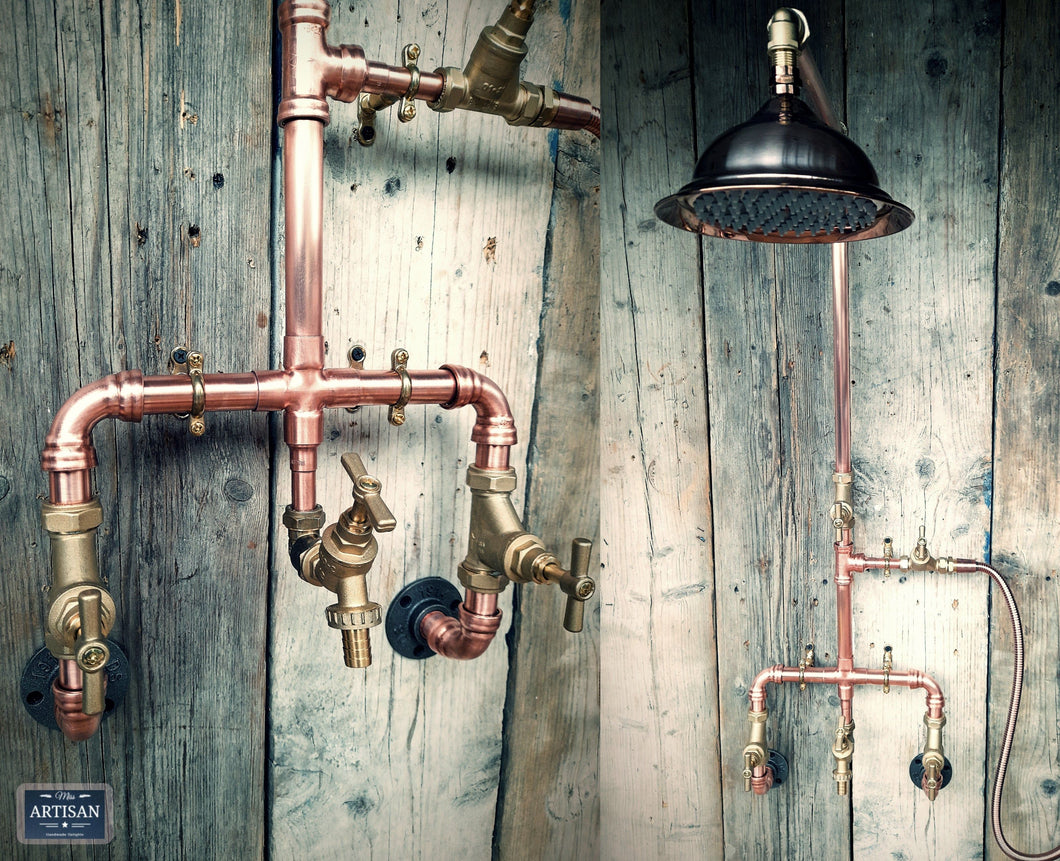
(303,343)
(303,189)
(841,350)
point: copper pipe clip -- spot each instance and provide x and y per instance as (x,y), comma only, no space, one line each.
(407,109)
(888,665)
(190,362)
(398,363)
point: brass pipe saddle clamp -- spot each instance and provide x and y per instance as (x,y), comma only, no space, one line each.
(190,362)
(399,360)
(370,104)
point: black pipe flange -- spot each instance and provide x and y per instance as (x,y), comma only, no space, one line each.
(916,771)
(43,669)
(779,765)
(409,607)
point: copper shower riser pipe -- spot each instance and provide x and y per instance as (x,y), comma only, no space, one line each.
(68,454)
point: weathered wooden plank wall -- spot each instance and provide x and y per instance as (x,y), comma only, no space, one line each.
(929,446)
(464,240)
(115,124)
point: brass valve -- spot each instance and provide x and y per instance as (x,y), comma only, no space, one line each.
(843,751)
(340,559)
(756,753)
(933,759)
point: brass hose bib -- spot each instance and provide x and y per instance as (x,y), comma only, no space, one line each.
(933,759)
(80,611)
(843,751)
(755,753)
(339,560)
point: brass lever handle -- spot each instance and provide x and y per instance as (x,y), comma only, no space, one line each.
(577,584)
(92,651)
(366,490)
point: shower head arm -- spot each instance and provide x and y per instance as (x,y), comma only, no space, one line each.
(815,92)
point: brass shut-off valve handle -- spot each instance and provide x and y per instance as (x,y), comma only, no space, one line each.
(92,651)
(576,584)
(366,490)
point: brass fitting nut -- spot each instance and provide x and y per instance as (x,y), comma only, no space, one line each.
(353,618)
(71,518)
(484,582)
(303,521)
(492,480)
(523,560)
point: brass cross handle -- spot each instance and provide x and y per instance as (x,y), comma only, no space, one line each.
(578,586)
(366,490)
(91,650)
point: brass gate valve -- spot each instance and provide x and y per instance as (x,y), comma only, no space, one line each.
(340,562)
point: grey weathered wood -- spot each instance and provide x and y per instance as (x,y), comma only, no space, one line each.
(549,802)
(922,305)
(437,240)
(1025,537)
(111,280)
(769,371)
(659,772)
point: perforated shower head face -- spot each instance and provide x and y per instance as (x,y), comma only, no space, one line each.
(784,176)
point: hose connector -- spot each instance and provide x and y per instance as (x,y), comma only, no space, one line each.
(843,751)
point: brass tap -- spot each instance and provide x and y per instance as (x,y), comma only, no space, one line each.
(500,549)
(80,610)
(489,82)
(339,560)
(842,511)
(755,753)
(933,759)
(843,751)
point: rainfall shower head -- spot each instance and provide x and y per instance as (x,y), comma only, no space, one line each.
(784,175)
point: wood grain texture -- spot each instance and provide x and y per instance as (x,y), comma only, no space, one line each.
(659,770)
(549,803)
(922,306)
(769,373)
(438,240)
(1025,536)
(124,118)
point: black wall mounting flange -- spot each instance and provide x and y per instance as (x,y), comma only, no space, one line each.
(779,764)
(916,771)
(43,669)
(409,607)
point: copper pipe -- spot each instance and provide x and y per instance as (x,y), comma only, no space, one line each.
(68,454)
(67,693)
(780,674)
(396,80)
(761,780)
(841,350)
(467,637)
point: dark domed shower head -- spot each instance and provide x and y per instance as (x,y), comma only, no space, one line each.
(785,176)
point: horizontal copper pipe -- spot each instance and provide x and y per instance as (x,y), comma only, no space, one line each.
(395,81)
(780,674)
(68,453)
(467,637)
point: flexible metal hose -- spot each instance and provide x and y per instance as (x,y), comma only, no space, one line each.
(1010,723)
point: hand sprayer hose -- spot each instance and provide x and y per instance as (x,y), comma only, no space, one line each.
(1010,723)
